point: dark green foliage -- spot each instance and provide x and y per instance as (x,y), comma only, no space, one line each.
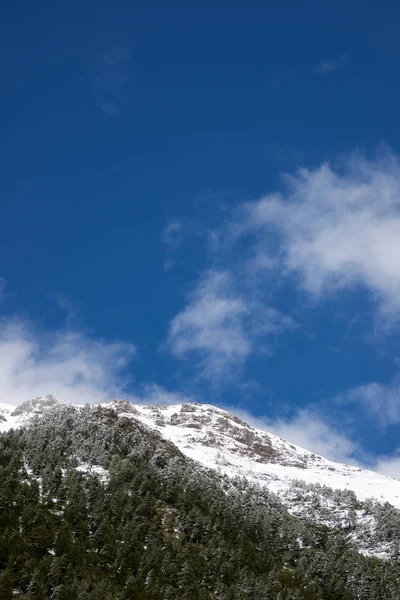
(96,507)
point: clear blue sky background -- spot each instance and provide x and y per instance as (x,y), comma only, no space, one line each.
(131,134)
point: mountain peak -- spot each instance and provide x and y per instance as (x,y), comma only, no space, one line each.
(37,405)
(223,442)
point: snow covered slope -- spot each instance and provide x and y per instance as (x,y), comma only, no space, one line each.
(223,442)
(17,416)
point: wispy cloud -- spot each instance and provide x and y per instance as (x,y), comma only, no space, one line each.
(113,83)
(73,366)
(219,326)
(377,400)
(327,66)
(212,326)
(70,365)
(389,465)
(153,393)
(172,238)
(173,235)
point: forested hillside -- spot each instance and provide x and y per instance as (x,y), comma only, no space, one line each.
(98,507)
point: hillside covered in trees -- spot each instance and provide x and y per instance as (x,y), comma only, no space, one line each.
(99,507)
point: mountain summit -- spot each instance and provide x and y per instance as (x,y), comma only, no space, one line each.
(185,502)
(223,442)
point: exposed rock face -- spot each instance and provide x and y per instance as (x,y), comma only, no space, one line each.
(219,428)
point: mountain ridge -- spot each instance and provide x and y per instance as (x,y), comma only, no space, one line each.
(225,443)
(341,497)
(95,504)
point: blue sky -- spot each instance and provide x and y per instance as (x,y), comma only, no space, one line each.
(204,202)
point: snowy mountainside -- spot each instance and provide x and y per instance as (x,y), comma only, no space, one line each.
(363,503)
(18,416)
(223,442)
(100,507)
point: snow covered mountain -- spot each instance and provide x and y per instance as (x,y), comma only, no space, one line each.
(98,504)
(310,486)
(223,442)
(18,416)
(302,480)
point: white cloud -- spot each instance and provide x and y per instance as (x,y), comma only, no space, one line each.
(332,229)
(327,66)
(389,466)
(153,393)
(335,230)
(173,237)
(70,365)
(219,326)
(382,401)
(212,326)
